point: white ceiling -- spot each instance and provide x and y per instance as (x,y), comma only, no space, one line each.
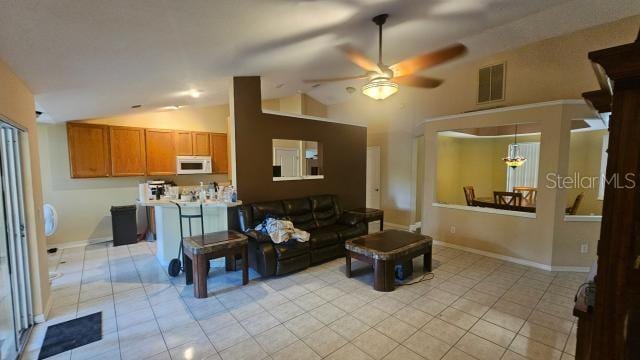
(93,58)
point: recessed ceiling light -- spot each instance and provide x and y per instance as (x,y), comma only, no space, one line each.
(195,93)
(350,89)
(137,106)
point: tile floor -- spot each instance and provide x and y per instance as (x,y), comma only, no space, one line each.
(475,308)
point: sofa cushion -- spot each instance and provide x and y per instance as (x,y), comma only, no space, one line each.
(261,210)
(349,232)
(322,237)
(299,212)
(291,249)
(326,209)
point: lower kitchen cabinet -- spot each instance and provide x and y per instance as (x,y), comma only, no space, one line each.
(161,152)
(128,153)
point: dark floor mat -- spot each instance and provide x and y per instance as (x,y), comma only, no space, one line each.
(71,334)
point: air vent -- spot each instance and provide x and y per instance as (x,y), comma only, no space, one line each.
(491,83)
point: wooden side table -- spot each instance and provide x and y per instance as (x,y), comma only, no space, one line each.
(198,250)
(370,215)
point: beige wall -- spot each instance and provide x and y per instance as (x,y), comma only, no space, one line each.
(83,204)
(302,104)
(584,161)
(551,69)
(17,106)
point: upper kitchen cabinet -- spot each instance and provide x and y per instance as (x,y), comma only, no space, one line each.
(88,150)
(220,153)
(127,151)
(161,152)
(201,144)
(184,143)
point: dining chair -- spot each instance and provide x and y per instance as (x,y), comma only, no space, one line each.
(528,193)
(507,198)
(573,209)
(469,194)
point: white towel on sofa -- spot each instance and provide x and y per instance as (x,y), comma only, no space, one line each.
(282,231)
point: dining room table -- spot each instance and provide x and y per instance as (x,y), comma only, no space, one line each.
(526,206)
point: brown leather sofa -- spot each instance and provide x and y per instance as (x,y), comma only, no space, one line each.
(321,216)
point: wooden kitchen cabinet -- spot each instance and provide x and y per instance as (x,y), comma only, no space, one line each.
(127,151)
(219,153)
(88,150)
(184,143)
(161,152)
(201,144)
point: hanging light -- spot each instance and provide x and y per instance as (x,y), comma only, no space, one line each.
(514,159)
(380,87)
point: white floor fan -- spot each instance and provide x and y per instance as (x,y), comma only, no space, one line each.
(50,226)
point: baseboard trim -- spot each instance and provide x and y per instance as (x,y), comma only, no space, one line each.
(513,259)
(40,318)
(72,244)
(395,226)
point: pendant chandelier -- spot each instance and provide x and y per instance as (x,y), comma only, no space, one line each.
(514,159)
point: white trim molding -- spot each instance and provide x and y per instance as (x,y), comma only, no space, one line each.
(78,243)
(512,259)
(504,109)
(309,117)
(40,318)
(486,210)
(583,218)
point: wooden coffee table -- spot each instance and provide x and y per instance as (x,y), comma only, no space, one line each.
(386,249)
(198,250)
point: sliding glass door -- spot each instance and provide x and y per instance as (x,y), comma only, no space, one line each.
(15,289)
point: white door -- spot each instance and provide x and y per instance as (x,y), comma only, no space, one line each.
(14,252)
(289,161)
(373,177)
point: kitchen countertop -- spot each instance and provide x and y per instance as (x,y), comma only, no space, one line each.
(208,203)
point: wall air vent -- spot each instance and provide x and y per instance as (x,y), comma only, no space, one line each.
(491,83)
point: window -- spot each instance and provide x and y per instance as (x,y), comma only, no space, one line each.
(527,173)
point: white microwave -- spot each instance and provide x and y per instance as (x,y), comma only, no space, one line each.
(193,164)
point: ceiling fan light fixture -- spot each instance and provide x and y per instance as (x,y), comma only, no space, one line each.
(379,88)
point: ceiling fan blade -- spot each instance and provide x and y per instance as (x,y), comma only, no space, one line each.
(317,81)
(418,81)
(359,59)
(417,63)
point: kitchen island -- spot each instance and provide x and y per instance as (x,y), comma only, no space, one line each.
(168,225)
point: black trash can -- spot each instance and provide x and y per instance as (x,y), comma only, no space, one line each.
(123,224)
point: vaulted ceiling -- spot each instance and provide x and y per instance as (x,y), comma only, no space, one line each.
(93,58)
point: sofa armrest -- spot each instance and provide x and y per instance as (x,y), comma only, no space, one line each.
(258,236)
(350,219)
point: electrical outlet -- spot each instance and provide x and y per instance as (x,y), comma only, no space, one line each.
(452,229)
(584,248)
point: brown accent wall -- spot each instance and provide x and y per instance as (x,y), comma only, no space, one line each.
(345,151)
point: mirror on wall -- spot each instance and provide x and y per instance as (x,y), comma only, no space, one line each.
(296,160)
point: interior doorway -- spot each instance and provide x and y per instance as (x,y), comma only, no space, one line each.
(16,314)
(373,177)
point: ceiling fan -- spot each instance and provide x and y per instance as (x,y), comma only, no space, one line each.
(383,80)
